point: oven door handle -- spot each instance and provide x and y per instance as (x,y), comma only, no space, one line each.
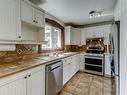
(94,57)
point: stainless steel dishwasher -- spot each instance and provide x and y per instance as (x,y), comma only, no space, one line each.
(54,78)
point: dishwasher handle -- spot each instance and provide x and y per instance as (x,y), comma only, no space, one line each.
(54,68)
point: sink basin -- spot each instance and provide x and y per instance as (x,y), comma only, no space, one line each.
(47,58)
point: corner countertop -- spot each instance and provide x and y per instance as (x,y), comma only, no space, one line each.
(7,69)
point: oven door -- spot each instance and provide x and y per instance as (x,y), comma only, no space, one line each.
(94,64)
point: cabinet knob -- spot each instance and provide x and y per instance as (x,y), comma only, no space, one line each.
(29,75)
(19,36)
(34,21)
(25,77)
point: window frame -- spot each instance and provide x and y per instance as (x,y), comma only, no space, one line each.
(57,25)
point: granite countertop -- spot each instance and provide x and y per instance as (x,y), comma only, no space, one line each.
(7,69)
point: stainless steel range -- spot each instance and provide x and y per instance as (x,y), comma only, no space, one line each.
(94,57)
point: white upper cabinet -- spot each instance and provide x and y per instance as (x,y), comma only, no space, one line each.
(76,36)
(10,20)
(39,18)
(83,36)
(32,15)
(94,32)
(27,12)
(72,36)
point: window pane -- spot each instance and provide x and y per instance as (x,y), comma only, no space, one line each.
(57,38)
(52,37)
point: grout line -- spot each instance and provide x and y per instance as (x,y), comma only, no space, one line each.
(90,86)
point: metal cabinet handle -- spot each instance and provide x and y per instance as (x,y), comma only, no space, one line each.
(25,77)
(34,21)
(29,75)
(19,36)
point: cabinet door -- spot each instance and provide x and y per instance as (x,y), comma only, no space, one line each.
(82,62)
(10,20)
(39,18)
(90,32)
(36,81)
(75,63)
(67,35)
(14,85)
(65,71)
(83,36)
(107,65)
(76,36)
(27,13)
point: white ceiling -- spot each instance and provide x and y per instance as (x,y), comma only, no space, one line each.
(77,11)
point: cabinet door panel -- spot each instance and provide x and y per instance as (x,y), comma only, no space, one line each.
(39,17)
(36,83)
(14,87)
(27,12)
(10,19)
(83,36)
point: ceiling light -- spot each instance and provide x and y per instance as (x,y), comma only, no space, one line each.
(95,14)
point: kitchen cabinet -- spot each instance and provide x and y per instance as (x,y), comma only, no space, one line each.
(10,20)
(39,17)
(67,69)
(107,65)
(32,15)
(13,85)
(75,63)
(70,67)
(82,62)
(36,81)
(72,36)
(107,30)
(83,36)
(31,82)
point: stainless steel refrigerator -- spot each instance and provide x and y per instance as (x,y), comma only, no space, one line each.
(115,54)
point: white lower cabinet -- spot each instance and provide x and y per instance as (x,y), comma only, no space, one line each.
(67,71)
(36,81)
(13,85)
(70,67)
(75,63)
(31,82)
(82,62)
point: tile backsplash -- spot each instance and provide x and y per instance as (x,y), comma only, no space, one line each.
(22,52)
(75,48)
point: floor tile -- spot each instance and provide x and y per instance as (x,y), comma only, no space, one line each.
(88,84)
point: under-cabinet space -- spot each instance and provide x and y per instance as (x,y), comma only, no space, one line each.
(32,34)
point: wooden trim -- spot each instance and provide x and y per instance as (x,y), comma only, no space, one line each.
(54,24)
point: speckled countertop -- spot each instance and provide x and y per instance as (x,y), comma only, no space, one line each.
(15,67)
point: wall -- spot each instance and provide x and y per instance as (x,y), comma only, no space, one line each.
(123,49)
(22,52)
(117,10)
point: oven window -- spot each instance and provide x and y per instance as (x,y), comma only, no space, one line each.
(93,68)
(94,61)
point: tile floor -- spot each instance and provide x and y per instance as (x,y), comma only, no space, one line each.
(87,84)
